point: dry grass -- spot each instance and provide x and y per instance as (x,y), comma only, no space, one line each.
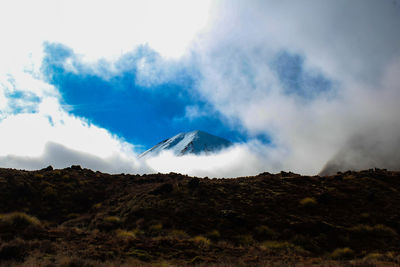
(125,234)
(201,241)
(112,219)
(263,232)
(178,234)
(342,254)
(377,230)
(19,219)
(214,235)
(282,246)
(308,202)
(156,227)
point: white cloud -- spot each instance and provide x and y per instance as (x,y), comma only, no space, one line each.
(106,28)
(60,156)
(96,30)
(100,28)
(352,43)
(355,44)
(239,160)
(194,112)
(53,137)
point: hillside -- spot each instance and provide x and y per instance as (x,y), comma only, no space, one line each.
(77,217)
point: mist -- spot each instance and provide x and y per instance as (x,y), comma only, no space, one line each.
(59,156)
(351,124)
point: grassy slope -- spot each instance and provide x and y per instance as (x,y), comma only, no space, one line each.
(176,219)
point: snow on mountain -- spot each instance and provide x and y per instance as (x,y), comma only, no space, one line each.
(195,142)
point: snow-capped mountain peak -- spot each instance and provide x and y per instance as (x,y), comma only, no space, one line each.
(195,142)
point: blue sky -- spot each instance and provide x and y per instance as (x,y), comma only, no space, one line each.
(143,115)
(295,80)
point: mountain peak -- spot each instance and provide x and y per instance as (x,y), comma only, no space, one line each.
(194,142)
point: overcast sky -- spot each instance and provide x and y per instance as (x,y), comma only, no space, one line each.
(305,86)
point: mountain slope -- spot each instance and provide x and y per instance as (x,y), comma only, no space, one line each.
(195,142)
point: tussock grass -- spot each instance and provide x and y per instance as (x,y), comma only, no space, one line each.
(308,202)
(263,232)
(214,235)
(378,230)
(244,240)
(156,227)
(125,234)
(201,241)
(282,246)
(178,234)
(342,254)
(112,219)
(18,219)
(374,257)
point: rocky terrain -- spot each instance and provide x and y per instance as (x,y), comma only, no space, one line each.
(77,217)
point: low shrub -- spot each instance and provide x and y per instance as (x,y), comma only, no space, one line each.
(161,264)
(342,254)
(364,215)
(97,205)
(193,183)
(19,224)
(378,230)
(374,257)
(178,234)
(73,262)
(282,246)
(73,215)
(214,235)
(201,241)
(38,175)
(156,227)
(109,223)
(309,243)
(244,240)
(163,189)
(18,219)
(49,193)
(140,254)
(16,250)
(125,234)
(308,202)
(263,232)
(112,219)
(197,260)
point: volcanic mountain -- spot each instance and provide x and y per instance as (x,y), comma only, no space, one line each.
(195,142)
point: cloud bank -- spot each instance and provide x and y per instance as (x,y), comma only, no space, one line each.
(51,136)
(354,45)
